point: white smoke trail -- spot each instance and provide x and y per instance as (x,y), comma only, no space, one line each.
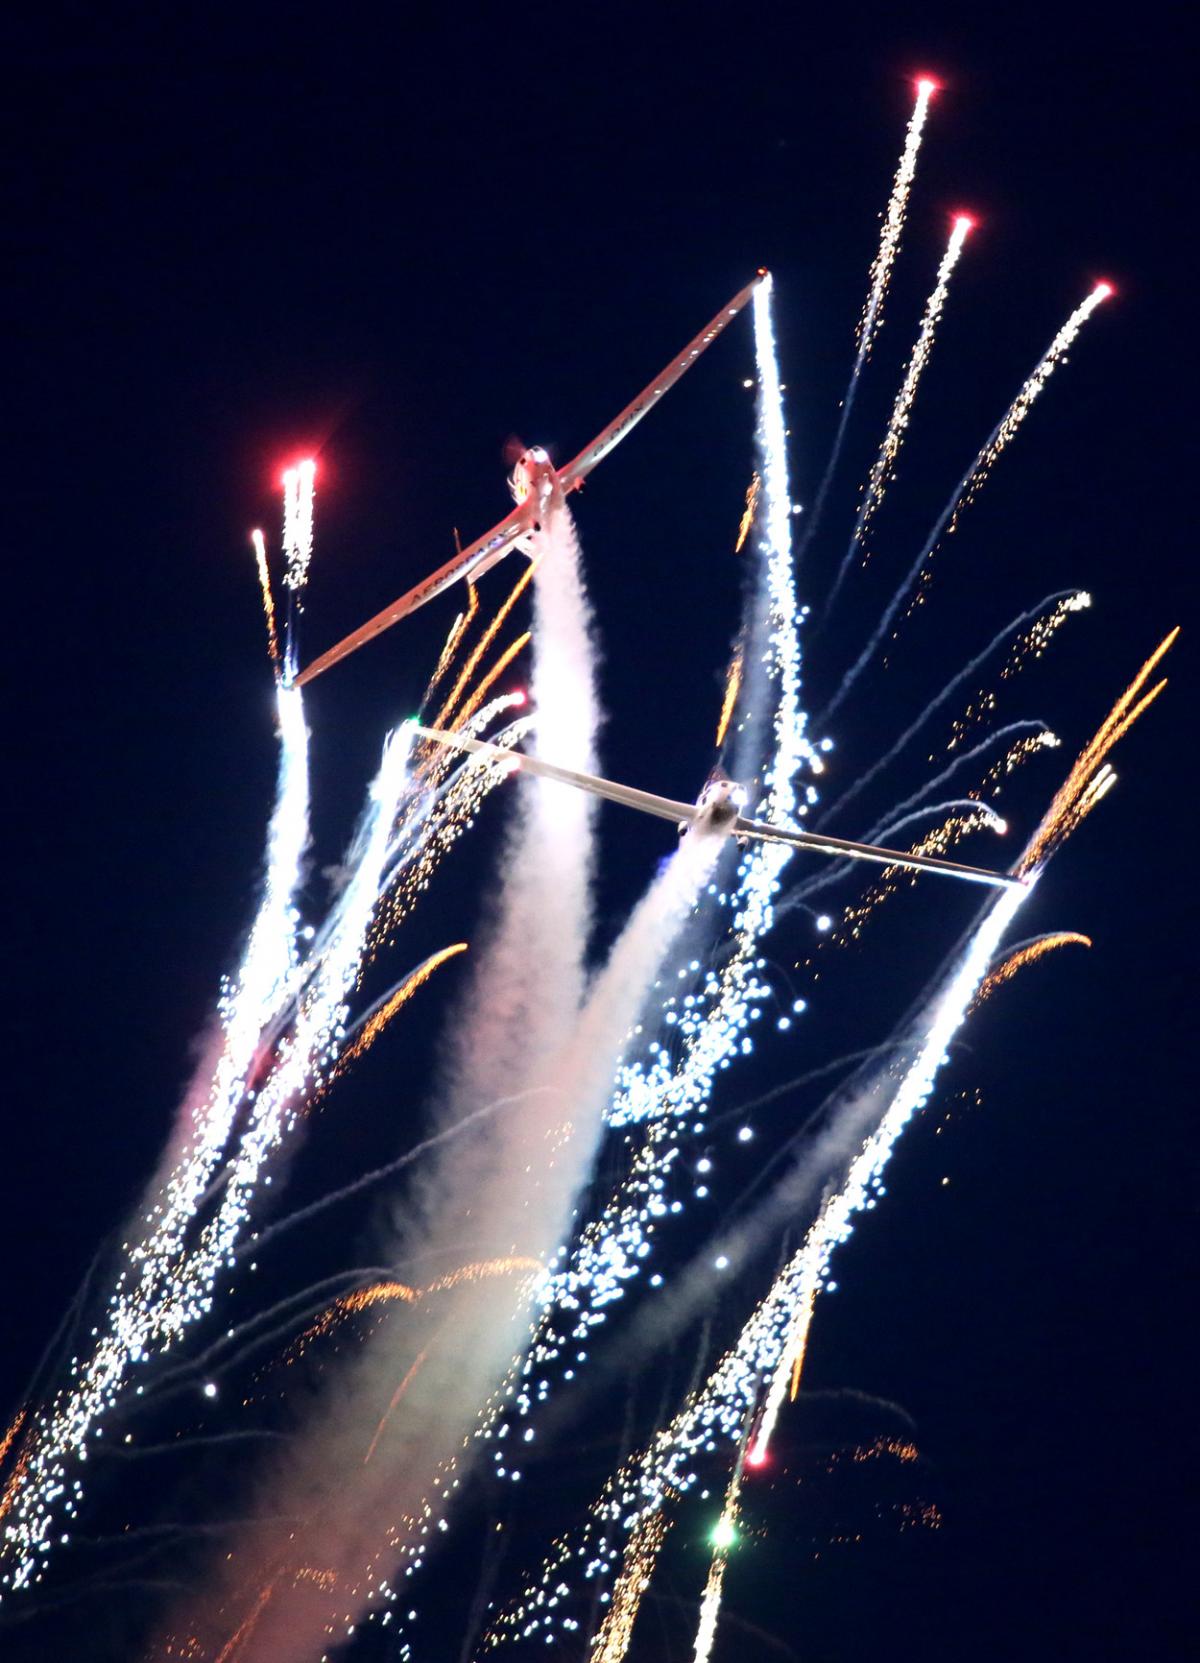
(712,1022)
(862,1132)
(510,1184)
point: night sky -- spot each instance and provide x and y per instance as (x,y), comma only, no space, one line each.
(396,246)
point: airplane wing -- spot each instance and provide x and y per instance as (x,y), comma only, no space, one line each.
(481,553)
(572,476)
(663,807)
(489,548)
(759,831)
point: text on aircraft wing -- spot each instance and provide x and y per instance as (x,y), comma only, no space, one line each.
(821,845)
(646,801)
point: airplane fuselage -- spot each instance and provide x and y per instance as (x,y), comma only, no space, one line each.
(717,807)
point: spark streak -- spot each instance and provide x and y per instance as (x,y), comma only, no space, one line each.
(884,464)
(268,600)
(298,524)
(485,641)
(893,221)
(1028,952)
(871,319)
(372,1024)
(973,481)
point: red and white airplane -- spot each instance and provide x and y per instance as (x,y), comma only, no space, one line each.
(534,478)
(716,812)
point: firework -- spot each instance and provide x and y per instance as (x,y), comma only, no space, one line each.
(885,463)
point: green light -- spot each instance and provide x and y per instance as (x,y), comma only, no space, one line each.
(724,1533)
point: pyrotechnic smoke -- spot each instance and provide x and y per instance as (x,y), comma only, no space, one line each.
(524,1031)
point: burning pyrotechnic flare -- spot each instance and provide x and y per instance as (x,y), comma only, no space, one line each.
(298,483)
(268,600)
(871,320)
(884,464)
(976,476)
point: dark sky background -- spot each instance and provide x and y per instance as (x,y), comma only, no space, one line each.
(400,243)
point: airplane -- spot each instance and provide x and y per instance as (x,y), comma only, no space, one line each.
(534,477)
(716,812)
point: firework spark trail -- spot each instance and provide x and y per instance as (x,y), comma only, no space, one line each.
(710,1603)
(268,600)
(309,1050)
(973,481)
(1067,599)
(139,1314)
(1072,801)
(458,630)
(871,320)
(871,1119)
(746,523)
(733,685)
(298,486)
(515,1178)
(862,1132)
(616,1631)
(487,682)
(485,641)
(884,465)
(893,222)
(372,1023)
(1027,952)
(978,816)
(712,1022)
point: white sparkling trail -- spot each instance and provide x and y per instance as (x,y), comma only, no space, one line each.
(893,223)
(871,319)
(298,485)
(807,1272)
(972,482)
(775,1332)
(263,985)
(712,1023)
(310,1048)
(884,465)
